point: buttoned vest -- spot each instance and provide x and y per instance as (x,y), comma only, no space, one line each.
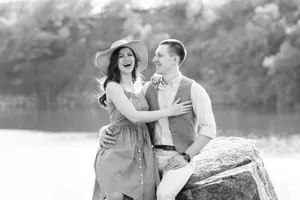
(182,127)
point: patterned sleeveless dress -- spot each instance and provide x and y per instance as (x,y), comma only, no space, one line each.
(129,166)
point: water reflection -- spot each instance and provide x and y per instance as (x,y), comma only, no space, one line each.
(229,121)
(75,120)
(257,122)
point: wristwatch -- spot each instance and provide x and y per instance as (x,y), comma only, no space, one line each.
(186,156)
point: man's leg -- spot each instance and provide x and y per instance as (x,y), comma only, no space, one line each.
(173,180)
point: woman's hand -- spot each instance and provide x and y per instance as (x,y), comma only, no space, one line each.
(180,108)
(175,162)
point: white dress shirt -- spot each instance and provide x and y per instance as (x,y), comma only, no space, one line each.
(201,107)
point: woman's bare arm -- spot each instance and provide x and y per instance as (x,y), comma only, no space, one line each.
(116,94)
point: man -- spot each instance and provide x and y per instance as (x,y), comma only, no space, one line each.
(176,140)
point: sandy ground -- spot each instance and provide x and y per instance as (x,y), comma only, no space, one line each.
(39,166)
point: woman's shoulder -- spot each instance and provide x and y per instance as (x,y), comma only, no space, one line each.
(112,89)
(112,85)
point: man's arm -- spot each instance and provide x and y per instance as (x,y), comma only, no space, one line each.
(205,118)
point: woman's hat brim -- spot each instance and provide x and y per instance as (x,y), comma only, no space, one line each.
(102,59)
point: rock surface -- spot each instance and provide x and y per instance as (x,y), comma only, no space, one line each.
(229,168)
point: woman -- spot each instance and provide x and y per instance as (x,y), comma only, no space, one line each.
(127,170)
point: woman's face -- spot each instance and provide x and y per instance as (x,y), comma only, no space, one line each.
(126,60)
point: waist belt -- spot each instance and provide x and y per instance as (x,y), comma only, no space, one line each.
(165,147)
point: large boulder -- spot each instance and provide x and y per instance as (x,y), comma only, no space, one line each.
(229,168)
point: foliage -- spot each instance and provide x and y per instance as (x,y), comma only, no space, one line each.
(245,52)
(46,51)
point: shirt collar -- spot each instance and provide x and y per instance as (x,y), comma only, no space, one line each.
(175,81)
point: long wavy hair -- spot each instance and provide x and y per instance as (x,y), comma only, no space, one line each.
(114,74)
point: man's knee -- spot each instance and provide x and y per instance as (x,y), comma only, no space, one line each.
(164,194)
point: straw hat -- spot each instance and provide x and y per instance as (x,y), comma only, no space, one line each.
(102,59)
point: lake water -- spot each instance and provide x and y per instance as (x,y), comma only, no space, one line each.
(229,121)
(69,157)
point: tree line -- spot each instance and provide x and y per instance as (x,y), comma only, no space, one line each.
(245,53)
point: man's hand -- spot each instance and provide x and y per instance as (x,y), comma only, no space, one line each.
(105,139)
(176,162)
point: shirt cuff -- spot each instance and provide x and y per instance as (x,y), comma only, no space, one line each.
(208,131)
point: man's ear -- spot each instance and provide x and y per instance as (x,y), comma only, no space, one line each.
(176,59)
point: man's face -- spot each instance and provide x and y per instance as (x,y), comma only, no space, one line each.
(163,60)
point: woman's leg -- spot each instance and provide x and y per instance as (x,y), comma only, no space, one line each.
(114,196)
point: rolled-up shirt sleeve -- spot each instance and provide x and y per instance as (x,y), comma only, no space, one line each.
(203,111)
